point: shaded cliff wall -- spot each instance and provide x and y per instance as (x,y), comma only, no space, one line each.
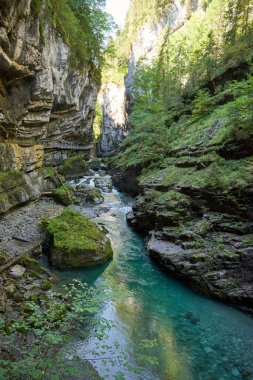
(115,123)
(42,97)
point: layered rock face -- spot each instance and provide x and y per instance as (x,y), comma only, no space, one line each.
(22,175)
(115,124)
(42,97)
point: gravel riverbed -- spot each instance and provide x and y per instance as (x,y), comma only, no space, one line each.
(23,223)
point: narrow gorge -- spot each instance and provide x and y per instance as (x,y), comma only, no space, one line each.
(126,198)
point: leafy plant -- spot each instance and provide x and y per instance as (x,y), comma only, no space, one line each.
(34,347)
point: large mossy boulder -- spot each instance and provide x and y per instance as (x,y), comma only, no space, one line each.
(65,195)
(74,167)
(76,241)
(95,196)
(85,193)
(104,183)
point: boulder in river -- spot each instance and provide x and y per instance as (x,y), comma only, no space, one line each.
(85,193)
(104,183)
(76,241)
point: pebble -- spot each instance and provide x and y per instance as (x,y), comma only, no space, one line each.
(235,372)
(17,271)
(208,350)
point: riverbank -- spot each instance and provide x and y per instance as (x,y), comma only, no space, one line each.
(197,232)
(26,279)
(22,231)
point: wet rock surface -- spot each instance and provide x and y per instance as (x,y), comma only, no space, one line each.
(104,183)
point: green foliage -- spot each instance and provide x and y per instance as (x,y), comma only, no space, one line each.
(71,163)
(97,124)
(65,195)
(84,25)
(62,190)
(147,121)
(41,336)
(202,103)
(36,7)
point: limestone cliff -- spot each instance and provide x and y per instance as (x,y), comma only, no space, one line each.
(114,125)
(43,98)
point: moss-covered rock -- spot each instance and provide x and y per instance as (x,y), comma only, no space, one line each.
(94,196)
(74,167)
(85,193)
(77,242)
(65,195)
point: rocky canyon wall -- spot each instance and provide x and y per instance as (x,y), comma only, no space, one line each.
(43,99)
(115,123)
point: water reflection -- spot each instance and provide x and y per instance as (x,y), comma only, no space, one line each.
(191,337)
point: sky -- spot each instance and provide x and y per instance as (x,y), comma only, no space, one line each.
(118,9)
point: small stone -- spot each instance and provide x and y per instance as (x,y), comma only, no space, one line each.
(17,271)
(194,320)
(235,372)
(208,350)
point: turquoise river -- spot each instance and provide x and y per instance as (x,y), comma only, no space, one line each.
(160,326)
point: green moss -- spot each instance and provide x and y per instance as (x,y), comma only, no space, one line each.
(48,170)
(199,257)
(65,195)
(73,163)
(62,190)
(93,195)
(36,6)
(46,285)
(72,230)
(5,175)
(228,283)
(221,174)
(30,263)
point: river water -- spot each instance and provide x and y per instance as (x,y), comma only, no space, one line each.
(162,328)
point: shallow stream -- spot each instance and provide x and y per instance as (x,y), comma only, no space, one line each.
(190,336)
